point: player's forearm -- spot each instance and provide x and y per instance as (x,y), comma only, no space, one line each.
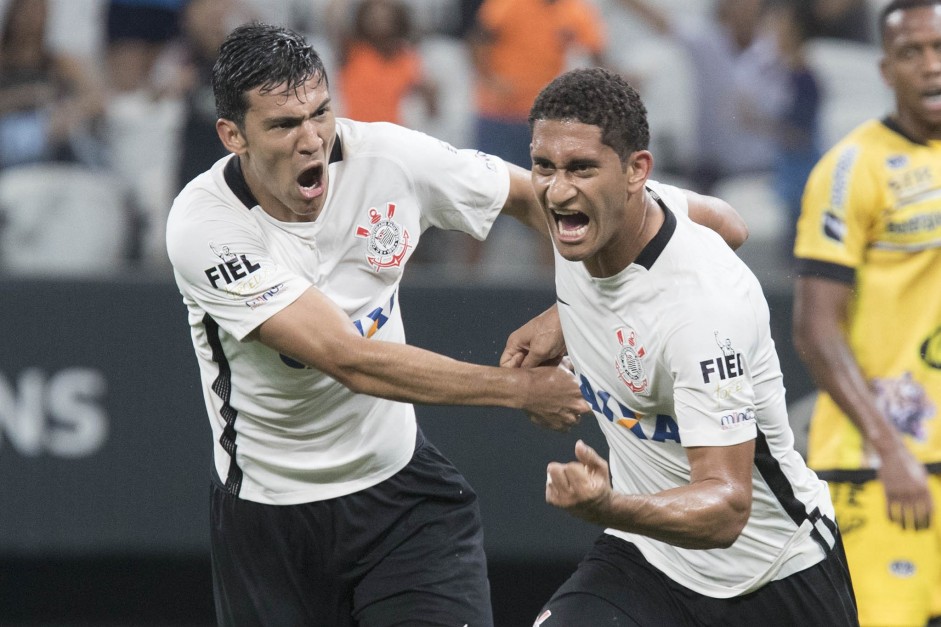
(315,332)
(410,374)
(834,370)
(820,316)
(706,515)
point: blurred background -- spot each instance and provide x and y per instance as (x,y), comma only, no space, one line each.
(106,113)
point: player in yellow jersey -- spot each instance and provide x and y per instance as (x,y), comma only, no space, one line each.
(867,322)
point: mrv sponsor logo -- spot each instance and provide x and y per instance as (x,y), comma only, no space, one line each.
(57,413)
(735,418)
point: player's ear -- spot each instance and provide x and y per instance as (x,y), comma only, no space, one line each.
(639,166)
(231,136)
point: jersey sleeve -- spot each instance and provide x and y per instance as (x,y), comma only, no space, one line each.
(458,189)
(713,392)
(837,212)
(224,269)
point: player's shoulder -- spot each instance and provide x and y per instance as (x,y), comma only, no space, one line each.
(376,138)
(207,197)
(672,196)
(870,142)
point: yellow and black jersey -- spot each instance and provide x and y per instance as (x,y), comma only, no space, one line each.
(871,218)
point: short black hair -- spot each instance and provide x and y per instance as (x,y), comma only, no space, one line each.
(900,5)
(258,55)
(601,98)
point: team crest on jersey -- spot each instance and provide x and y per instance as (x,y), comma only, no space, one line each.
(629,361)
(387,241)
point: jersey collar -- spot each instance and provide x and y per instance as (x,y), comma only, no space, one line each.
(655,246)
(236,180)
(892,125)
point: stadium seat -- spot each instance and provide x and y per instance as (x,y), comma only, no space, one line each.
(62,219)
(752,195)
(447,62)
(670,96)
(852,87)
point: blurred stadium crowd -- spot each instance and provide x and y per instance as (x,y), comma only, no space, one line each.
(106,109)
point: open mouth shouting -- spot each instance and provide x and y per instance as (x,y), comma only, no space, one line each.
(310,182)
(571,226)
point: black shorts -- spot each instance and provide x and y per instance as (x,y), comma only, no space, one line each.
(616,585)
(408,551)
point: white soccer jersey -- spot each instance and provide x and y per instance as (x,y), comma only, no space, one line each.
(285,433)
(675,351)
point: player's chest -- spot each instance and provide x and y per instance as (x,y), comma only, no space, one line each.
(363,240)
(617,355)
(911,214)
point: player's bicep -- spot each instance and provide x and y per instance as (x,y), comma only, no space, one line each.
(727,471)
(728,464)
(719,216)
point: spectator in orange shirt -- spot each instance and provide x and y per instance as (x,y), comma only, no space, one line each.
(518,46)
(380,64)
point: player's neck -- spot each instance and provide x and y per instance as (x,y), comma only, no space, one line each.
(641,225)
(916,128)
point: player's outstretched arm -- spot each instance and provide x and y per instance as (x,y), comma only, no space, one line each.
(521,203)
(820,310)
(314,331)
(708,513)
(719,216)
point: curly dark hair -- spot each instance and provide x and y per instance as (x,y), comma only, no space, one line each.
(900,5)
(261,56)
(601,98)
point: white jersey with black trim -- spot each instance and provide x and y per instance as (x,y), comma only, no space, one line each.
(675,351)
(285,433)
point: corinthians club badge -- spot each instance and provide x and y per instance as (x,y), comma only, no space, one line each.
(387,241)
(630,367)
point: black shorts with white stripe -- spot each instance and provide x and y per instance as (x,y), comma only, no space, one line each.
(408,551)
(616,585)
